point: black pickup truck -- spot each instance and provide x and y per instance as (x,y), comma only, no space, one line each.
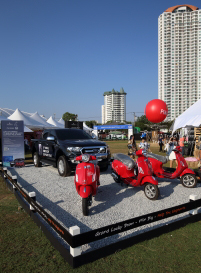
(59,147)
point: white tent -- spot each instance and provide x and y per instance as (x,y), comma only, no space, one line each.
(62,122)
(54,122)
(8,112)
(29,122)
(41,120)
(25,128)
(191,117)
(87,128)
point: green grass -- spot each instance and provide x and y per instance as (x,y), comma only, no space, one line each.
(24,248)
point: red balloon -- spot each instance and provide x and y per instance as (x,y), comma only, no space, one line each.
(156,111)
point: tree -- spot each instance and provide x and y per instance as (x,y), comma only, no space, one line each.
(142,123)
(91,123)
(69,116)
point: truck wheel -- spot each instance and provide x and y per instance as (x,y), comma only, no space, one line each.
(36,160)
(151,191)
(63,167)
(189,180)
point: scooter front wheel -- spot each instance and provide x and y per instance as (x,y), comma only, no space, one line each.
(189,180)
(151,191)
(86,202)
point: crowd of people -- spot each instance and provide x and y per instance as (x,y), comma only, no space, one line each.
(166,145)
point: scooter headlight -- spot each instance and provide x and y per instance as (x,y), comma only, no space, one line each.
(85,158)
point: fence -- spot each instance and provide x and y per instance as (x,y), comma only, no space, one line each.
(74,239)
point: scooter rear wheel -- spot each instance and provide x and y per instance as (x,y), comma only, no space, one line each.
(189,180)
(151,191)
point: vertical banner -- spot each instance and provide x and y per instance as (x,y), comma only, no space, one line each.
(12,143)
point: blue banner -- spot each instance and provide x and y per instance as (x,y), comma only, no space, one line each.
(113,127)
(12,143)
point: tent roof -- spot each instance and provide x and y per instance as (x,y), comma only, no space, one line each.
(62,122)
(191,117)
(28,121)
(54,122)
(38,118)
(7,112)
(27,130)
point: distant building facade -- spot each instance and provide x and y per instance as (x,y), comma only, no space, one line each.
(114,107)
(179,58)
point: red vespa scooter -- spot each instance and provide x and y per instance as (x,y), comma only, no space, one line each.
(86,180)
(125,170)
(187,176)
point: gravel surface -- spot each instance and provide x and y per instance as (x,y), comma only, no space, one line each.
(113,203)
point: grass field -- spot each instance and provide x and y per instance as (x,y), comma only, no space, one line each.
(24,248)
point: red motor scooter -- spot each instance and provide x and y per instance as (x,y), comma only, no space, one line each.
(125,170)
(87,176)
(187,176)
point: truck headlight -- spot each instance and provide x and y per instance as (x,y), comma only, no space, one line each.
(73,149)
(102,150)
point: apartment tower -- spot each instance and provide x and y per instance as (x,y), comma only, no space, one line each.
(179,58)
(114,107)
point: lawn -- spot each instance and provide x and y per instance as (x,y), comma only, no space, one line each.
(24,248)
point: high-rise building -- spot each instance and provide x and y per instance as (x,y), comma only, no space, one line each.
(179,58)
(114,107)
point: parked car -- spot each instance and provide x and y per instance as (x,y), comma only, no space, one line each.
(59,147)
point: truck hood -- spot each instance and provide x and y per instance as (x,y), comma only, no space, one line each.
(82,143)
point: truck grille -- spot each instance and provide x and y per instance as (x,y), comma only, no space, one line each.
(94,150)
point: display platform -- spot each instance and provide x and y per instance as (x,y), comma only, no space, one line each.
(112,204)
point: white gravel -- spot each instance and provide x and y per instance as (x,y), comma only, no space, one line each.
(113,203)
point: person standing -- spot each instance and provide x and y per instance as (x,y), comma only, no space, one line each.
(144,145)
(160,142)
(172,155)
(134,147)
(181,143)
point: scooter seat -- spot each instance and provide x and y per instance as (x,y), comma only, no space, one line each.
(126,160)
(161,158)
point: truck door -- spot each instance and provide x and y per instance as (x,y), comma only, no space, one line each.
(46,149)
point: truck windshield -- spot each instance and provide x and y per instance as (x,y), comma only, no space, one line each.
(64,134)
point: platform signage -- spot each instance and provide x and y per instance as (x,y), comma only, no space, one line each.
(12,143)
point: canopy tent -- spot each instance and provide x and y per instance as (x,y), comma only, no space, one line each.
(26,129)
(62,122)
(191,117)
(28,121)
(54,122)
(41,120)
(7,112)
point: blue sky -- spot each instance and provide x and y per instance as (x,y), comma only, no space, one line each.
(61,56)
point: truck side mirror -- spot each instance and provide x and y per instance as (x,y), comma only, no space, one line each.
(51,138)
